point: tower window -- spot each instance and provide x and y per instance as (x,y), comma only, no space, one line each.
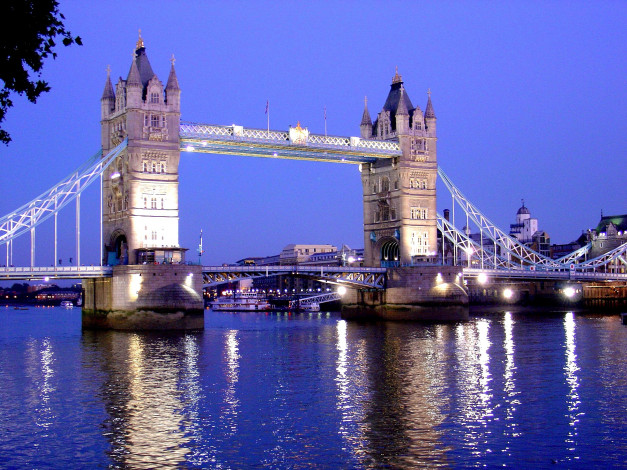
(154,97)
(154,120)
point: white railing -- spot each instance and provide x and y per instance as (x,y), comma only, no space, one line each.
(190,130)
(65,272)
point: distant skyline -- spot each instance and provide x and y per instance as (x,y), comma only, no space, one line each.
(530,97)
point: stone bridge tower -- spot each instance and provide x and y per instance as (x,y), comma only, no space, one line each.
(399,194)
(140,189)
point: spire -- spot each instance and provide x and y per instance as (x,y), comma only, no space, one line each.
(365,118)
(429,113)
(133,78)
(401,110)
(397,78)
(173,83)
(108,89)
(140,42)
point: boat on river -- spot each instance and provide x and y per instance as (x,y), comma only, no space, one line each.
(67,304)
(240,302)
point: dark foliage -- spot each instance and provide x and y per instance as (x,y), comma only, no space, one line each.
(29,35)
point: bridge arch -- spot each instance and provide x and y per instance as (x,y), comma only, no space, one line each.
(389,252)
(117,252)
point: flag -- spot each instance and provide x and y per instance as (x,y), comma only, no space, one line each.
(267,104)
(325,113)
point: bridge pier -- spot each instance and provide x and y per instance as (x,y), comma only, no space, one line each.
(145,297)
(425,293)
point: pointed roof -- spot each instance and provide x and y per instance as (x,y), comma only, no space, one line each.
(394,96)
(141,64)
(133,79)
(429,113)
(365,118)
(401,109)
(173,83)
(108,89)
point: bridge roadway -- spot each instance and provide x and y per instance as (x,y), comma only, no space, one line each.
(349,276)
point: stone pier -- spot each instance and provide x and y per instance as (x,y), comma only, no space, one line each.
(425,293)
(145,297)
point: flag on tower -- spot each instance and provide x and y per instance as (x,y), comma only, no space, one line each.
(267,104)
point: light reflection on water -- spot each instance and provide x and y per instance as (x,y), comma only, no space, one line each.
(293,391)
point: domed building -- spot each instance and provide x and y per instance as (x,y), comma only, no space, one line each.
(525,230)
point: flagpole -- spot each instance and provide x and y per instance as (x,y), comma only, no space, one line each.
(325,121)
(268,114)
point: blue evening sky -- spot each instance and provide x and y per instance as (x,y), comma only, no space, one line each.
(531,101)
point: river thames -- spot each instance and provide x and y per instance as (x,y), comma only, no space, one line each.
(278,390)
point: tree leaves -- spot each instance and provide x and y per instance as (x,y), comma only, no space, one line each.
(35,25)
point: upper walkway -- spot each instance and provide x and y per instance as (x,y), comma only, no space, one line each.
(296,144)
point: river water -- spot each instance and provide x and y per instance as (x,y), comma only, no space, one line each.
(256,390)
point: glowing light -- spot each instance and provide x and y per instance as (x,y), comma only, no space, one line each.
(134,286)
(189,148)
(482,278)
(341,290)
(508,293)
(115,175)
(570,292)
(46,279)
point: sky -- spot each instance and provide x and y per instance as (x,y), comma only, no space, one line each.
(530,97)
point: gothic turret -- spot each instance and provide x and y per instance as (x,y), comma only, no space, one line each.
(108,97)
(430,116)
(366,122)
(172,90)
(402,114)
(133,87)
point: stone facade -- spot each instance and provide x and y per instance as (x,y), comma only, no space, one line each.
(399,194)
(140,189)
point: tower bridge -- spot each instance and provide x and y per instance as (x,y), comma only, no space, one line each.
(413,253)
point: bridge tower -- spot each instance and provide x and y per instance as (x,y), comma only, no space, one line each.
(399,194)
(140,189)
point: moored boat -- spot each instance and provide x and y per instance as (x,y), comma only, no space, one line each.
(240,302)
(67,304)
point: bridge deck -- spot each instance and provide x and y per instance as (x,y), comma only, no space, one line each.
(297,145)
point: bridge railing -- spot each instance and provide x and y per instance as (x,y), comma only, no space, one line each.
(190,130)
(66,272)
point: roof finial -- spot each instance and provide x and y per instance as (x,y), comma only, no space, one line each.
(108,71)
(397,78)
(140,41)
(523,202)
(429,92)
(365,101)
(172,60)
